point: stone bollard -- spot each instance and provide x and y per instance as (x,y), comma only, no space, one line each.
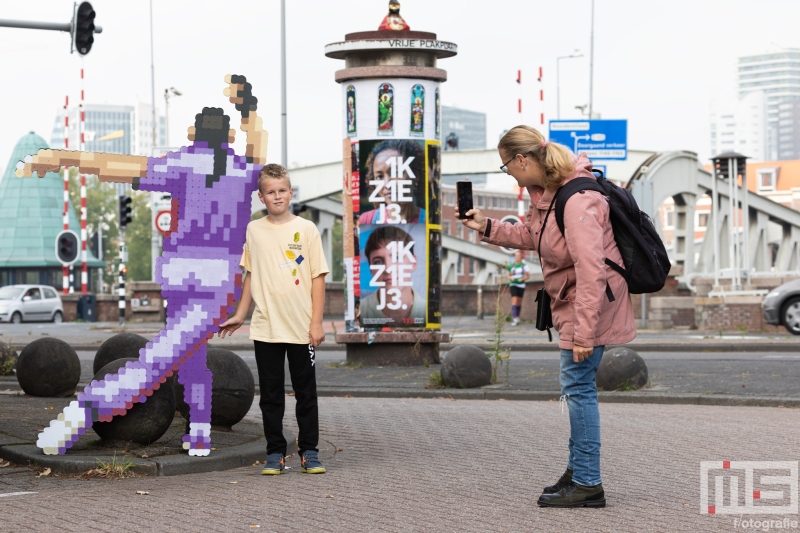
(621,368)
(49,368)
(122,346)
(466,367)
(232,388)
(144,423)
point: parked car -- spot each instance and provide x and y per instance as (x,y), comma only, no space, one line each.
(30,303)
(782,306)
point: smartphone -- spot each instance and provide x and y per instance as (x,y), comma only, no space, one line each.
(464,193)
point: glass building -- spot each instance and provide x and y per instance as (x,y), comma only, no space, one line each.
(112,129)
(778,75)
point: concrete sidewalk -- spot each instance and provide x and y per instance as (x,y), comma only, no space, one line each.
(433,465)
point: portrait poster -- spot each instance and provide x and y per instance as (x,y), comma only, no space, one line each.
(394,278)
(417,128)
(351,110)
(386,109)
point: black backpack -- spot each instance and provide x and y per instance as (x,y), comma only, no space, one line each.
(643,252)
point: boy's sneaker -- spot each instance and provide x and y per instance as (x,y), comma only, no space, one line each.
(515,321)
(275,465)
(310,463)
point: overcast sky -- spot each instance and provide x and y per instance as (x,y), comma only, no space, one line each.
(658,64)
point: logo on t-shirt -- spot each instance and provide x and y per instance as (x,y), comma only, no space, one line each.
(296,257)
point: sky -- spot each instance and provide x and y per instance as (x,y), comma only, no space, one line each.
(657,64)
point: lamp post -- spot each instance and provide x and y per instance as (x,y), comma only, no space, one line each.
(167,96)
(558,80)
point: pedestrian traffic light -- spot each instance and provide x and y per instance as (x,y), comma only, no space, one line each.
(124,211)
(83,28)
(67,247)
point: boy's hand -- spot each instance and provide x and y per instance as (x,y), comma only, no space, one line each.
(316,335)
(229,326)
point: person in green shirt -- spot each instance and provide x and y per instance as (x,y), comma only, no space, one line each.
(518,274)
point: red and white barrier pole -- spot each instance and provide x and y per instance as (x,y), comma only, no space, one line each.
(519,100)
(84,272)
(65,269)
(541,98)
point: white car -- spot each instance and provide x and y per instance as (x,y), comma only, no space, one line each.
(30,303)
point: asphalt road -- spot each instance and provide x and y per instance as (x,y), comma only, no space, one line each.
(757,373)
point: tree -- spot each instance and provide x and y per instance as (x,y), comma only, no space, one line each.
(102,208)
(137,238)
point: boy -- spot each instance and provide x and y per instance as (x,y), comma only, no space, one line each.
(286,278)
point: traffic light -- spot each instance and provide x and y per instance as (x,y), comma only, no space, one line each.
(124,211)
(83,28)
(723,164)
(67,247)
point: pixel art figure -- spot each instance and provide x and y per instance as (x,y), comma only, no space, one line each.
(198,271)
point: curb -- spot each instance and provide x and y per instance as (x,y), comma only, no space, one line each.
(548,396)
(168,465)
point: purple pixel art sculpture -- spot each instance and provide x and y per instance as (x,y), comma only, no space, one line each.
(198,271)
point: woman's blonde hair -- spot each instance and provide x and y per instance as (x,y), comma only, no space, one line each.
(555,159)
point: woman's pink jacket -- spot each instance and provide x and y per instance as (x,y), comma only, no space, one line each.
(573,264)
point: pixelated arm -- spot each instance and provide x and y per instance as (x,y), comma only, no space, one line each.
(240,93)
(107,167)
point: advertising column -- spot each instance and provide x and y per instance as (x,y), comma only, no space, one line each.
(393,253)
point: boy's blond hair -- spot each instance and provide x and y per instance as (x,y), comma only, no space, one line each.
(273,171)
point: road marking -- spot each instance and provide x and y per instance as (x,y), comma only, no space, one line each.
(16,494)
(782,357)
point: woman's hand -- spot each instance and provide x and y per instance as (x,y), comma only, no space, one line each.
(230,325)
(477,222)
(580,353)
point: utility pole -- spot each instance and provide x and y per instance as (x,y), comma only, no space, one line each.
(152,81)
(558,80)
(284,147)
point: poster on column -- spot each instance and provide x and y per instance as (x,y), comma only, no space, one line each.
(394,163)
(392,232)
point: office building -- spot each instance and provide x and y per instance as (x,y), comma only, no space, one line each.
(463,130)
(788,137)
(777,74)
(740,126)
(113,129)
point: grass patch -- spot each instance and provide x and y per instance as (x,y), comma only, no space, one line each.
(435,381)
(114,469)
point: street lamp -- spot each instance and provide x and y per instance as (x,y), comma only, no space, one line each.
(167,96)
(558,79)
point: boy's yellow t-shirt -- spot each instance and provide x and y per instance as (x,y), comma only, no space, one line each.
(282,260)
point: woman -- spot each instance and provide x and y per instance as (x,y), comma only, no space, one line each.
(576,279)
(518,274)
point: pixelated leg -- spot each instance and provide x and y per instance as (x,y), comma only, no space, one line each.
(65,430)
(196,380)
(116,393)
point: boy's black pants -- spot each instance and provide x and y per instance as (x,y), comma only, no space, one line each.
(270,360)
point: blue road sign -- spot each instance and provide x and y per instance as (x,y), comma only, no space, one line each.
(600,139)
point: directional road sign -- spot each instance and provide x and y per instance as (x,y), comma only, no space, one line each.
(600,139)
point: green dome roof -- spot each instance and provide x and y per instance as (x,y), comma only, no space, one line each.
(31,213)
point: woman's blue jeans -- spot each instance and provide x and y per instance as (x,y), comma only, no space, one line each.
(580,392)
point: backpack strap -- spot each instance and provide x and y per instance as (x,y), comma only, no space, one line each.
(566,191)
(578,185)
